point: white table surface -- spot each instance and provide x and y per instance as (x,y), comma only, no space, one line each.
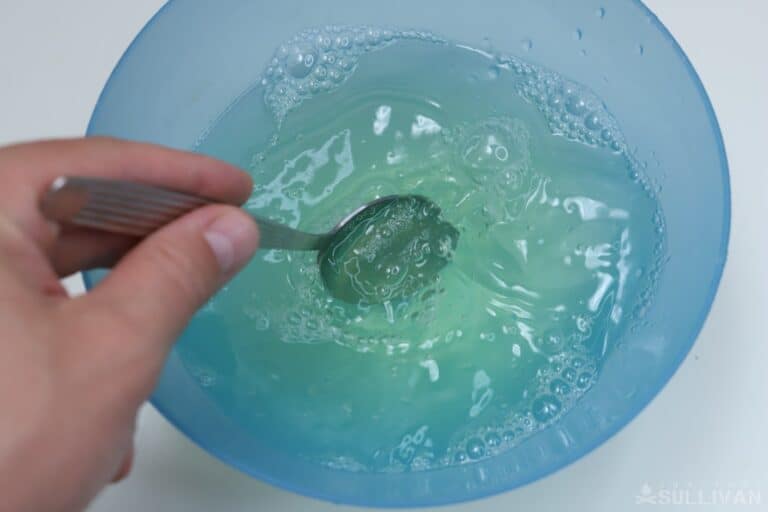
(705,431)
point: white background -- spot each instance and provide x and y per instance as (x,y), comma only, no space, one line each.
(707,429)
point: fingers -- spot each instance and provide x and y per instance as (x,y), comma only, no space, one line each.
(26,171)
(79,249)
(157,287)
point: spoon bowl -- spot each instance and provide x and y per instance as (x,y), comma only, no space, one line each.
(387,249)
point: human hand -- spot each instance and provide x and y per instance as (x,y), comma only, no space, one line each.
(74,371)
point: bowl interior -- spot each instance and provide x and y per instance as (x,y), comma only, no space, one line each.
(194,58)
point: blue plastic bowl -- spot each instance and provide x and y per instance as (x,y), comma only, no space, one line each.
(195,57)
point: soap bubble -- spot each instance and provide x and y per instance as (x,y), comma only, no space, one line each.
(546,408)
(492,439)
(299,60)
(559,387)
(475,448)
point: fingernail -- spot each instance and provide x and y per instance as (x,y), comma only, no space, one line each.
(232,238)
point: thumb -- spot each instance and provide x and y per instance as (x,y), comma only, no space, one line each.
(160,284)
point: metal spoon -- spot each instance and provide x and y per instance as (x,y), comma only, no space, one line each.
(358,258)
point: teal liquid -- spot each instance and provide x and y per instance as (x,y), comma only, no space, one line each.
(559,236)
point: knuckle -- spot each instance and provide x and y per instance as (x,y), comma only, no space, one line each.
(181,271)
(112,325)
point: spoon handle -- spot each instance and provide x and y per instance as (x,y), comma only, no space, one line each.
(273,235)
(137,209)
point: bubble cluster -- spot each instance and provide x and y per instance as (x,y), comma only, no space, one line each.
(571,110)
(412,445)
(551,397)
(495,154)
(320,59)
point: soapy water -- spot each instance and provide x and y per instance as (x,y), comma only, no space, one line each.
(318,60)
(561,242)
